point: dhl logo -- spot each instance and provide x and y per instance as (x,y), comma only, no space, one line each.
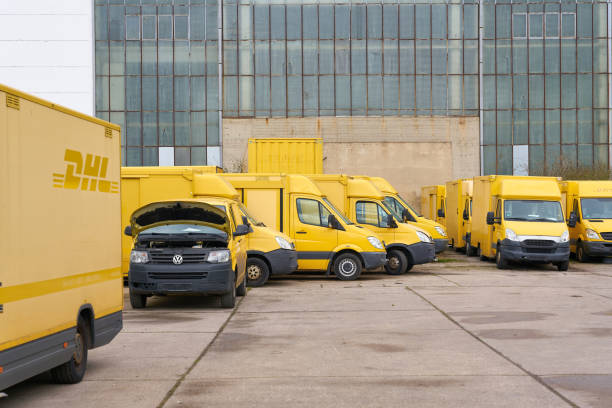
(88,174)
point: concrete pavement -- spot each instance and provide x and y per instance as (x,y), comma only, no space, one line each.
(452,334)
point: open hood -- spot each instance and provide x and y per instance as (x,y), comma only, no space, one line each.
(178,212)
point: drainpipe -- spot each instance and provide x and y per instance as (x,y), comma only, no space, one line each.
(480,83)
(220,76)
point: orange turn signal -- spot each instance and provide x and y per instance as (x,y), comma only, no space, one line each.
(65,345)
(1,369)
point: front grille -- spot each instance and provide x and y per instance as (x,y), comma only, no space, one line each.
(539,242)
(177,275)
(539,250)
(606,235)
(167,258)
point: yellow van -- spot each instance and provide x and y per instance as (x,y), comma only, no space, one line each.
(362,203)
(269,252)
(60,282)
(589,203)
(432,203)
(404,211)
(325,239)
(187,247)
(458,216)
(519,218)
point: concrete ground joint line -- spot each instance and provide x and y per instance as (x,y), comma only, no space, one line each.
(498,352)
(446,279)
(172,390)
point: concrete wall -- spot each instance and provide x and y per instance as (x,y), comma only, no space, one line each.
(46,49)
(408,151)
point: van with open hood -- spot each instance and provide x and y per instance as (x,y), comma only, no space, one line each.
(589,204)
(186,247)
(519,218)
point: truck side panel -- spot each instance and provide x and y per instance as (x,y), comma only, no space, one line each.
(481,204)
(453,213)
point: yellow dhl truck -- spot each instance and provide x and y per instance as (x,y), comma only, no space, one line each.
(518,218)
(589,204)
(363,204)
(269,252)
(408,214)
(432,203)
(324,238)
(60,178)
(459,213)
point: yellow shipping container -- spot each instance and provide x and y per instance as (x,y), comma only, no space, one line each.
(432,203)
(458,216)
(289,155)
(60,283)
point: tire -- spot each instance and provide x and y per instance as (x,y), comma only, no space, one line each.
(138,301)
(397,262)
(73,371)
(563,266)
(500,261)
(480,255)
(228,300)
(347,267)
(242,290)
(257,272)
(469,249)
(581,256)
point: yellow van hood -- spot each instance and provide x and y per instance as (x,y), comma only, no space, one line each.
(604,226)
(536,228)
(178,212)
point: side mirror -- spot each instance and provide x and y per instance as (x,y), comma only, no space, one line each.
(245,221)
(466,216)
(440,213)
(241,230)
(490,218)
(573,218)
(128,231)
(405,215)
(332,222)
(391,222)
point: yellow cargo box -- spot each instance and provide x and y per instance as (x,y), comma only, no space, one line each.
(432,203)
(61,290)
(590,204)
(289,155)
(458,212)
(516,218)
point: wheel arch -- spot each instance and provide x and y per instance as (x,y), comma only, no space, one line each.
(405,250)
(86,311)
(335,256)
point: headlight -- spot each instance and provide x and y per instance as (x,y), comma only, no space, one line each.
(591,234)
(423,237)
(376,242)
(139,257)
(441,231)
(218,256)
(511,235)
(565,236)
(283,243)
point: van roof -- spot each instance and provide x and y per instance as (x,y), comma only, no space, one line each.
(205,185)
(383,185)
(591,188)
(295,183)
(528,188)
(363,188)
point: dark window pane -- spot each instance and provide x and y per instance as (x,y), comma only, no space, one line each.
(134,156)
(358,21)
(198,156)
(520,129)
(262,22)
(294,95)
(343,95)
(197,23)
(358,94)
(536,127)
(279,101)
(165,92)
(342,57)
(423,20)
(116,23)
(101,17)
(181,27)
(262,57)
(552,25)
(326,22)
(391,94)
(294,22)
(390,57)
(390,16)
(519,25)
(374,56)
(198,128)
(553,126)
(262,96)
(181,58)
(438,21)
(584,23)
(326,57)
(230,23)
(343,21)
(165,57)
(230,95)
(568,126)
(568,25)
(132,93)
(132,24)
(470,21)
(149,129)
(311,96)
(326,95)
(277,55)
(423,57)
(374,21)
(438,56)
(277,16)
(358,56)
(535,25)
(164,27)
(375,88)
(406,27)
(311,28)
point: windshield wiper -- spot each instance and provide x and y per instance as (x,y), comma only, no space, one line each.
(546,219)
(516,219)
(260,224)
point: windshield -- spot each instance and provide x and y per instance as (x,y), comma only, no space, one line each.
(251,219)
(408,206)
(338,213)
(532,210)
(596,208)
(394,207)
(179,229)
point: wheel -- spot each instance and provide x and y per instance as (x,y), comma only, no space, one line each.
(581,256)
(396,262)
(257,272)
(73,371)
(241,290)
(500,261)
(228,300)
(480,255)
(138,301)
(563,266)
(347,267)
(468,249)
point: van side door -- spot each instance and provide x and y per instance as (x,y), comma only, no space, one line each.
(496,229)
(240,242)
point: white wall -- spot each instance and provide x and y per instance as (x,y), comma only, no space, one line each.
(46,49)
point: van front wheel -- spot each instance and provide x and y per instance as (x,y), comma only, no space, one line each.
(228,301)
(563,266)
(396,262)
(347,267)
(73,371)
(257,272)
(138,301)
(500,260)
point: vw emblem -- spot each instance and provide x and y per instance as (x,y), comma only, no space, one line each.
(177,259)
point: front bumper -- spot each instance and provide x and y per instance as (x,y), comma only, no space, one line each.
(282,261)
(441,244)
(422,252)
(373,260)
(597,248)
(519,251)
(197,278)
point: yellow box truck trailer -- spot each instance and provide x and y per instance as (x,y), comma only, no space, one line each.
(432,203)
(408,214)
(519,218)
(458,212)
(60,186)
(589,203)
(362,203)
(269,252)
(324,238)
